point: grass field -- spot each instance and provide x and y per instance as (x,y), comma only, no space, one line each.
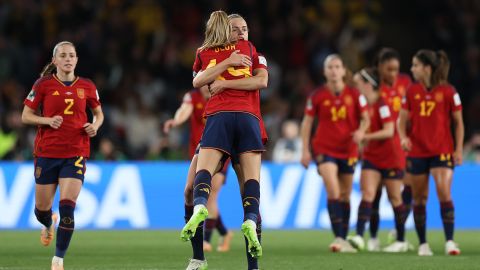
(154,250)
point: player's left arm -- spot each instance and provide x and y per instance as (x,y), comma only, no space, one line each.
(386,132)
(459,131)
(98,117)
(258,81)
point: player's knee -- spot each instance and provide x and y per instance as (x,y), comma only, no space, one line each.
(66,209)
(395,200)
(444,195)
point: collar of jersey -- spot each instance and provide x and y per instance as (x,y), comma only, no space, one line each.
(59,81)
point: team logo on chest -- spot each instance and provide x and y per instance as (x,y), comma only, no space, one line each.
(348,100)
(439,97)
(81,93)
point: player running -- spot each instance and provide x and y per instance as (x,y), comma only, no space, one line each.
(57,104)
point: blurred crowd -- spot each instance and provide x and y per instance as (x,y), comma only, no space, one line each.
(140,55)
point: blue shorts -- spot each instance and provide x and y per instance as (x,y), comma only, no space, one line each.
(49,170)
(385,173)
(423,165)
(232,132)
(344,165)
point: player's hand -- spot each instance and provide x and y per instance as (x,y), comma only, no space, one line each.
(306,159)
(216,87)
(55,122)
(406,144)
(458,157)
(168,125)
(90,129)
(236,60)
(358,136)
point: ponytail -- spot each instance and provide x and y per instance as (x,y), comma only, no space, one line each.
(439,63)
(48,69)
(440,74)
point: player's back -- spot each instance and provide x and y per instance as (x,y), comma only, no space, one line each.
(229,99)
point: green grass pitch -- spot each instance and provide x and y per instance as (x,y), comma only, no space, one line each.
(155,250)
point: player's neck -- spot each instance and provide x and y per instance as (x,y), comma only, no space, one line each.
(65,77)
(372,97)
(336,87)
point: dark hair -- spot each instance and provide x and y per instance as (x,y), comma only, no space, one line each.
(439,63)
(386,54)
(371,76)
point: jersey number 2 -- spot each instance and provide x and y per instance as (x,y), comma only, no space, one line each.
(69,102)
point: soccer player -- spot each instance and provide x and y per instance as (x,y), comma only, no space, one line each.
(393,86)
(192,108)
(431,104)
(57,105)
(232,128)
(342,121)
(383,161)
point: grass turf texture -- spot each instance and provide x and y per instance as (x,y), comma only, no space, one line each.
(149,250)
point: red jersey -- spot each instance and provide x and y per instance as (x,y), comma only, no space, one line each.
(260,61)
(70,102)
(430,117)
(387,153)
(197,121)
(230,100)
(338,117)
(393,94)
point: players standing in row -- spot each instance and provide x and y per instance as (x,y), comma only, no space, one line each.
(430,105)
(57,104)
(341,112)
(383,161)
(393,86)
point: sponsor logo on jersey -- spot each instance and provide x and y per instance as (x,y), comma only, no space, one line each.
(56,93)
(326,103)
(439,97)
(417,96)
(199,106)
(348,100)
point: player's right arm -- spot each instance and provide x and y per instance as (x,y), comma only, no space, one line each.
(29,117)
(208,75)
(182,114)
(305,131)
(32,102)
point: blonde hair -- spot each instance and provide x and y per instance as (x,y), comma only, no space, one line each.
(218,30)
(348,78)
(50,67)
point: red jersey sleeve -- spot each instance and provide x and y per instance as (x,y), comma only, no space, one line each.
(93,99)
(259,61)
(455,101)
(36,96)
(310,108)
(197,65)
(362,103)
(187,98)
